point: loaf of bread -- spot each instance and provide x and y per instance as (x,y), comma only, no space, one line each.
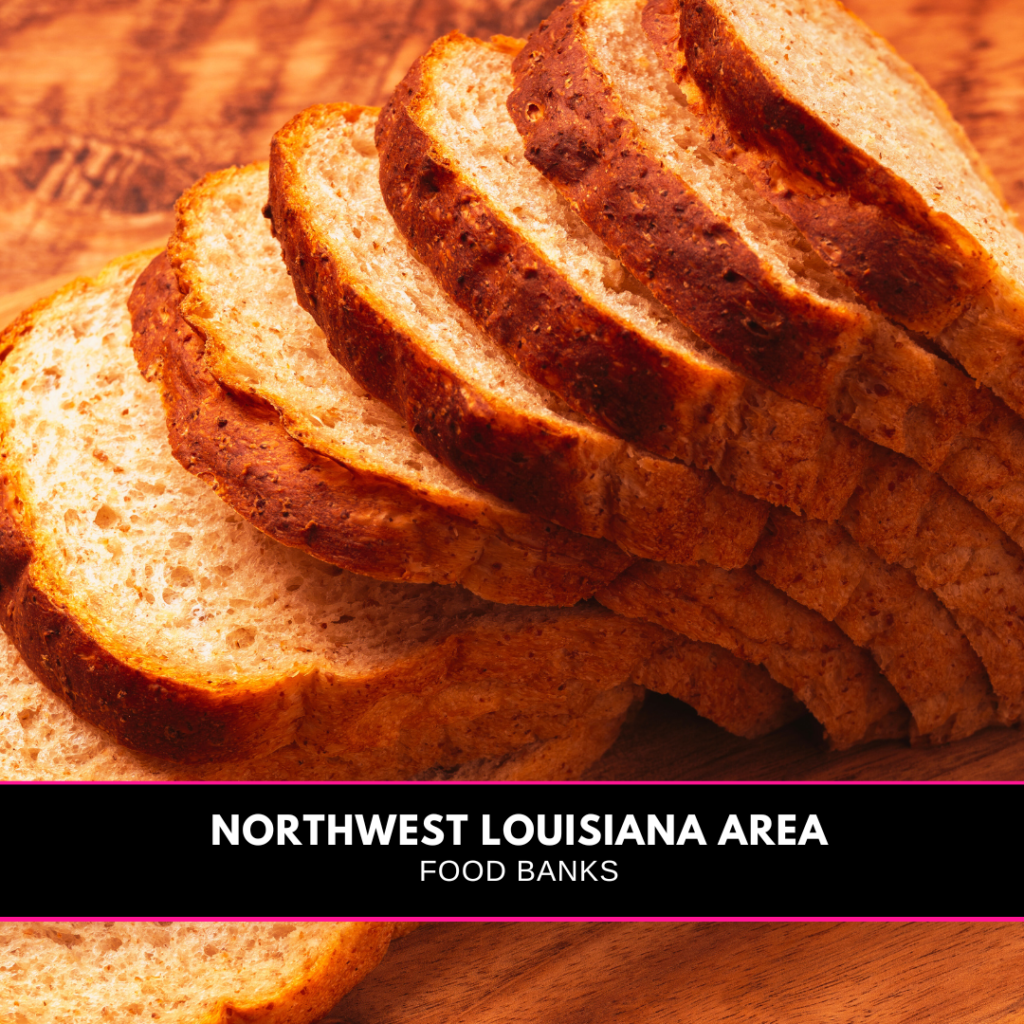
(846,139)
(568,323)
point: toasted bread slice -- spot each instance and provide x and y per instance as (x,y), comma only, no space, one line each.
(392,327)
(183,972)
(513,255)
(734,268)
(160,615)
(363,495)
(736,609)
(847,140)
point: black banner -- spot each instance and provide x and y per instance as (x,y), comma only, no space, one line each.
(513,850)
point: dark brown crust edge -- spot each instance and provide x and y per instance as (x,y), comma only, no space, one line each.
(693,261)
(304,499)
(146,712)
(916,266)
(603,370)
(651,507)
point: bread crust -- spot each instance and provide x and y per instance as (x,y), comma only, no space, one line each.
(577,135)
(912,637)
(345,515)
(745,699)
(594,484)
(859,215)
(560,661)
(357,950)
(862,371)
(754,440)
(837,680)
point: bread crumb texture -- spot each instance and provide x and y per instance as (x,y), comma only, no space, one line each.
(174,973)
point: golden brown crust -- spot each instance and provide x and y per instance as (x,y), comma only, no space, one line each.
(914,264)
(600,367)
(344,515)
(661,229)
(837,680)
(857,368)
(335,971)
(912,637)
(651,507)
(642,391)
(744,699)
(909,517)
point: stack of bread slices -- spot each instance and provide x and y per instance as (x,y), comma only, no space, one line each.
(674,348)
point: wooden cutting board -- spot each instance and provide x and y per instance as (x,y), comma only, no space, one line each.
(108,109)
(658,973)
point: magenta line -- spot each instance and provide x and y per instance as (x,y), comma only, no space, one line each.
(910,920)
(507,782)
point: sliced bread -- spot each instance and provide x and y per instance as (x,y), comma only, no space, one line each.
(911,636)
(838,682)
(276,972)
(844,137)
(607,125)
(392,327)
(158,614)
(322,218)
(42,739)
(363,495)
(512,253)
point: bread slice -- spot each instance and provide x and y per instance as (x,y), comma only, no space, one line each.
(844,137)
(736,694)
(183,972)
(508,249)
(301,150)
(734,268)
(911,636)
(392,327)
(158,614)
(515,256)
(42,739)
(364,495)
(838,681)
(255,339)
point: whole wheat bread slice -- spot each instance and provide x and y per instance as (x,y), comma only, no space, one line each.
(183,972)
(363,495)
(391,326)
(158,614)
(844,137)
(513,255)
(696,232)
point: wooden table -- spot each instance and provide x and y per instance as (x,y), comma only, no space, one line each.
(727,973)
(108,109)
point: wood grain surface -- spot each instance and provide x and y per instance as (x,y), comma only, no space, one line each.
(109,108)
(725,973)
